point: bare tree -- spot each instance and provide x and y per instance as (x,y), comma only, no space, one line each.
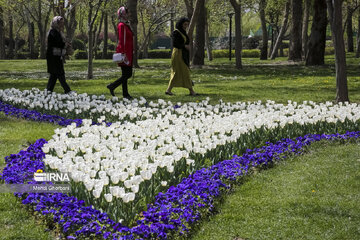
(295,43)
(105,38)
(40,11)
(305,27)
(194,16)
(264,47)
(152,18)
(199,48)
(282,30)
(31,34)
(236,4)
(2,34)
(358,37)
(132,5)
(94,8)
(351,7)
(317,40)
(335,17)
(207,38)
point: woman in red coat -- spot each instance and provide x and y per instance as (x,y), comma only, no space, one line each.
(125,46)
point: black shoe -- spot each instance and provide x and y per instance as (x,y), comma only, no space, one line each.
(111,91)
(128,97)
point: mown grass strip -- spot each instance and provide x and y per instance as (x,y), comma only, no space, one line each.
(313,196)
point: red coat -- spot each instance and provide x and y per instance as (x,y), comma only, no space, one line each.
(126,47)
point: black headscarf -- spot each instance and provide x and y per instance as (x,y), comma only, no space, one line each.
(180,23)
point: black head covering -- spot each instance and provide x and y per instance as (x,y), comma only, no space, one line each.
(180,23)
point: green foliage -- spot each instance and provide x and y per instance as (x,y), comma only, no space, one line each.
(246,53)
(78,44)
(251,43)
(329,51)
(108,56)
(159,53)
(79,54)
(250,53)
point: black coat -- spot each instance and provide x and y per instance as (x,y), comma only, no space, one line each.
(55,64)
(179,42)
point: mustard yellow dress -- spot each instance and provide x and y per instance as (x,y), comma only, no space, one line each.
(180,71)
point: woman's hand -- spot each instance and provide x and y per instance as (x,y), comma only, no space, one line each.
(126,60)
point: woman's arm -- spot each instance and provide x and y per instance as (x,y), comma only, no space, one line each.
(121,45)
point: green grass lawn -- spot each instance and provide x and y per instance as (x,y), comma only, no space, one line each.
(314,196)
(276,80)
(275,204)
(15,221)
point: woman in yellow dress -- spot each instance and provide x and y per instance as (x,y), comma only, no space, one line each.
(180,72)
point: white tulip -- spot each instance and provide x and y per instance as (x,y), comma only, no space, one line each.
(108,197)
(96,193)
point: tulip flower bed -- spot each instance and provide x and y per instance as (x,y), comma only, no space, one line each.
(124,169)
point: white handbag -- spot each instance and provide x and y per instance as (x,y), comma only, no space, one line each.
(120,57)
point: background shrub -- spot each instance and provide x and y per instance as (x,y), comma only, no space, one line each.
(80,54)
(78,44)
(109,54)
(158,53)
(251,43)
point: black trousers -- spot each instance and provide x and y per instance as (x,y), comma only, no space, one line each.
(52,81)
(126,73)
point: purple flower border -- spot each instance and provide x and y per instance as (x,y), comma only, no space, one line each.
(172,212)
(36,116)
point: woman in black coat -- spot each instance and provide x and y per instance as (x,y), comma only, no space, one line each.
(55,54)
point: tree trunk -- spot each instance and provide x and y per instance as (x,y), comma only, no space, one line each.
(199,45)
(358,37)
(349,30)
(264,47)
(317,40)
(189,11)
(282,30)
(295,43)
(97,35)
(132,5)
(11,38)
(335,18)
(71,24)
(105,38)
(305,27)
(238,36)
(91,21)
(193,21)
(90,42)
(207,38)
(31,37)
(172,28)
(2,35)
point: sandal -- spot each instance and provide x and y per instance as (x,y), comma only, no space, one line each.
(169,93)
